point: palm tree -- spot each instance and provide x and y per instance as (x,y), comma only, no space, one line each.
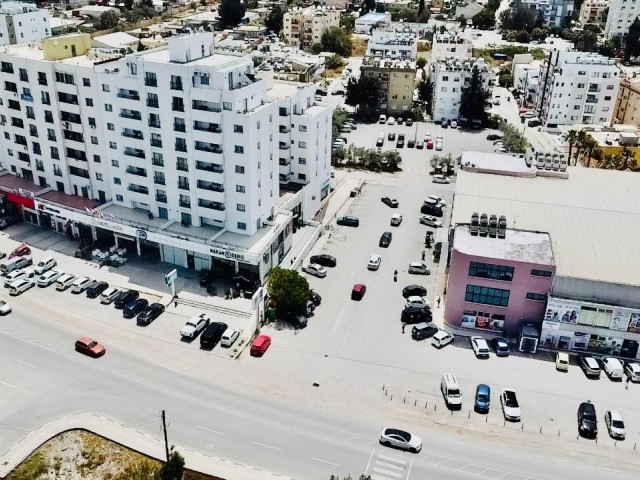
(581,139)
(589,146)
(570,137)
(609,162)
(627,159)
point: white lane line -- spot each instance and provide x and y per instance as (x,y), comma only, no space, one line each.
(346,337)
(409,469)
(388,473)
(366,470)
(611,470)
(27,364)
(263,445)
(14,387)
(209,430)
(392,459)
(325,461)
(389,465)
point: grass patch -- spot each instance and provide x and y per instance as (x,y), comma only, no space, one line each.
(359,46)
(31,469)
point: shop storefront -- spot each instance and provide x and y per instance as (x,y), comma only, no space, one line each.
(21,202)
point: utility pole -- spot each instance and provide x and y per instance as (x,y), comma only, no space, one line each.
(164,429)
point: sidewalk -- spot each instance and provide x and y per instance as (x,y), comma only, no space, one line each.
(133,439)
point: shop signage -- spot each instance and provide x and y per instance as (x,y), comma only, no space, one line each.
(46,208)
(142,234)
(25,193)
(227,254)
(563,311)
(101,223)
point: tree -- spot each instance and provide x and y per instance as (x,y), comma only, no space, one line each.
(420,7)
(348,23)
(571,138)
(174,468)
(522,36)
(609,162)
(632,41)
(425,92)
(333,62)
(128,4)
(403,13)
(473,98)
(108,20)
(505,80)
(539,34)
(338,119)
(590,145)
(337,41)
(518,17)
(485,19)
(363,94)
(628,160)
(421,63)
(230,13)
(581,140)
(288,289)
(274,19)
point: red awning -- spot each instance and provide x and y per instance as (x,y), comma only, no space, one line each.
(20,200)
(523,110)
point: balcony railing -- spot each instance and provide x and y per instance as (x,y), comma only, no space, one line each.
(161,198)
(131,115)
(214,187)
(159,180)
(208,147)
(212,205)
(209,167)
(141,172)
(134,152)
(183,186)
(128,95)
(185,203)
(133,134)
(138,189)
(156,143)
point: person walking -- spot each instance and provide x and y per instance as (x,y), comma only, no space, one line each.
(626,384)
(403,325)
(395,275)
(423,254)
(438,302)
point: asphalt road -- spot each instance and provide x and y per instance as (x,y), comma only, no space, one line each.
(42,380)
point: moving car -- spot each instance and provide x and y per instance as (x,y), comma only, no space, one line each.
(587,420)
(412,315)
(500,346)
(562,361)
(442,338)
(430,221)
(589,366)
(134,307)
(374,262)
(48,278)
(195,325)
(96,288)
(229,337)
(416,301)
(613,368)
(124,298)
(510,406)
(348,221)
(315,270)
(358,291)
(109,295)
(90,347)
(20,286)
(438,144)
(423,330)
(315,298)
(392,437)
(150,313)
(419,268)
(440,179)
(396,220)
(324,260)
(260,345)
(385,240)
(615,424)
(482,401)
(414,291)
(212,335)
(632,370)
(5,308)
(390,202)
(45,264)
(480,347)
(80,284)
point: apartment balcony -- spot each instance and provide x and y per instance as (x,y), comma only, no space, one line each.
(284,162)
(211,186)
(205,106)
(184,203)
(138,189)
(153,103)
(128,94)
(151,81)
(209,167)
(161,198)
(73,136)
(179,127)
(284,129)
(156,143)
(207,127)
(136,134)
(28,98)
(130,114)
(212,205)
(79,172)
(285,177)
(154,124)
(134,152)
(208,147)
(175,85)
(141,172)
(159,180)
(183,186)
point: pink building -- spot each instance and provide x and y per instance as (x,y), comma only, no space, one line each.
(498,283)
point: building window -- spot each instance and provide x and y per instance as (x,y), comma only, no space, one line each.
(240,207)
(108,107)
(94,140)
(110,126)
(105,87)
(117,181)
(226,105)
(541,273)
(494,272)
(98,176)
(538,297)
(89,102)
(119,198)
(86,82)
(96,158)
(487,296)
(115,163)
(302,128)
(240,188)
(302,176)
(239,169)
(238,129)
(113,145)
(242,226)
(302,144)
(238,149)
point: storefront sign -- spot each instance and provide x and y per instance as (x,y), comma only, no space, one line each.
(634,323)
(468,321)
(620,320)
(96,222)
(580,341)
(227,254)
(563,311)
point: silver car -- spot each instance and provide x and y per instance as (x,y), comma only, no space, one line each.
(615,424)
(392,437)
(419,268)
(430,221)
(315,270)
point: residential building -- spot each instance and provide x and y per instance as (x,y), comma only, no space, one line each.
(627,110)
(554,12)
(446,45)
(23,22)
(397,79)
(577,88)
(305,26)
(289,63)
(449,76)
(593,12)
(366,23)
(620,16)
(393,43)
(172,150)
(526,78)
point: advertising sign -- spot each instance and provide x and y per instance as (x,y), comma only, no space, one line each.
(634,323)
(580,341)
(620,320)
(564,311)
(489,324)
(468,321)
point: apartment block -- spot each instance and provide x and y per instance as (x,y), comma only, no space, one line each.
(305,26)
(393,43)
(446,45)
(621,15)
(397,79)
(554,12)
(23,22)
(593,11)
(577,88)
(627,110)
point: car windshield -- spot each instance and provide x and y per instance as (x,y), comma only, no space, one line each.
(453,392)
(511,400)
(92,344)
(483,397)
(617,424)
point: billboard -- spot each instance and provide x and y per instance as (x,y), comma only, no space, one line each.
(634,323)
(620,320)
(564,311)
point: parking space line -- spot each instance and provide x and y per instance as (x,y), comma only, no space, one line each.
(210,430)
(346,337)
(27,364)
(325,461)
(263,445)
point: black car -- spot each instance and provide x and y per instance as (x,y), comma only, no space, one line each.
(212,335)
(124,298)
(399,121)
(500,346)
(96,288)
(293,317)
(587,420)
(409,122)
(348,221)
(400,142)
(423,330)
(135,307)
(414,291)
(415,315)
(315,298)
(150,313)
(431,209)
(390,202)
(391,136)
(324,260)
(411,143)
(385,240)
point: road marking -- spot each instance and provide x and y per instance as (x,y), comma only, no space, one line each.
(14,387)
(611,470)
(27,364)
(409,469)
(325,461)
(346,337)
(388,473)
(335,327)
(209,430)
(263,445)
(366,470)
(392,459)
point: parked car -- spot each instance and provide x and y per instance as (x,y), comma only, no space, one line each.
(440,178)
(613,368)
(482,401)
(510,406)
(430,221)
(20,286)
(632,370)
(15,275)
(442,338)
(315,270)
(400,120)
(432,209)
(50,277)
(396,220)
(45,264)
(5,308)
(385,240)
(615,424)
(391,121)
(348,221)
(411,143)
(392,437)
(500,346)
(149,314)
(413,315)
(8,221)
(453,124)
(438,200)
(390,202)
(195,325)
(589,366)
(374,262)
(109,295)
(90,347)
(382,119)
(229,337)
(480,347)
(391,136)
(419,268)
(429,144)
(80,284)
(324,260)
(96,288)
(417,301)
(400,141)
(212,335)
(134,307)
(65,281)
(420,144)
(423,330)
(315,298)
(124,298)
(414,291)
(358,291)
(562,361)
(438,144)
(21,250)
(260,345)
(587,420)
(409,122)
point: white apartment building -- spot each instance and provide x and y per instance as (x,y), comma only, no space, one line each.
(23,22)
(449,77)
(577,88)
(621,15)
(393,43)
(593,11)
(554,12)
(178,145)
(304,26)
(446,45)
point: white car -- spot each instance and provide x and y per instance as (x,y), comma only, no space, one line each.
(374,262)
(229,337)
(528,115)
(45,264)
(510,406)
(196,325)
(109,295)
(430,221)
(80,284)
(615,424)
(442,338)
(419,268)
(480,347)
(396,220)
(15,275)
(19,286)
(392,437)
(391,121)
(440,179)
(453,124)
(315,270)
(49,277)
(632,370)
(416,301)
(427,137)
(5,308)
(438,144)
(613,368)
(439,200)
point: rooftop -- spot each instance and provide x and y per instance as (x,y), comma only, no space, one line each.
(496,162)
(117,39)
(517,246)
(219,61)
(593,218)
(374,17)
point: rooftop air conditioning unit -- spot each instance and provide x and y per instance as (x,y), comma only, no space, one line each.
(473,228)
(484,225)
(493,226)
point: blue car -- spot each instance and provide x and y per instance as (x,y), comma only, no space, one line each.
(483,399)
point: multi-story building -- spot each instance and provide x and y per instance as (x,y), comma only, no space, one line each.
(593,11)
(397,79)
(304,26)
(627,111)
(620,16)
(554,12)
(394,43)
(449,76)
(446,45)
(23,22)
(526,77)
(366,23)
(577,88)
(179,145)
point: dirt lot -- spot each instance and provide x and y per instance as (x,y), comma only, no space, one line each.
(80,455)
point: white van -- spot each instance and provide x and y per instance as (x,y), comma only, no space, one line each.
(65,282)
(451,391)
(441,338)
(15,264)
(109,295)
(45,264)
(562,361)
(80,284)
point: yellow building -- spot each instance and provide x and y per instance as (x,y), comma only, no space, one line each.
(302,27)
(614,143)
(397,79)
(627,109)
(66,46)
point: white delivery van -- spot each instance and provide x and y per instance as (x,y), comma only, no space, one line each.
(65,282)
(451,391)
(14,264)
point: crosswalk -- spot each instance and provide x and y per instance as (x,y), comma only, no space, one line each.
(386,467)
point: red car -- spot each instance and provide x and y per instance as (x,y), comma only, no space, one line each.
(22,250)
(260,345)
(430,144)
(358,291)
(90,347)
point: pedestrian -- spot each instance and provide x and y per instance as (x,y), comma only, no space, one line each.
(626,385)
(423,254)
(438,302)
(403,325)
(395,275)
